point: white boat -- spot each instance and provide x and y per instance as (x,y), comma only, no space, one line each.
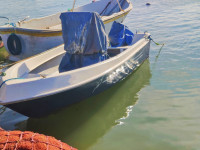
(35,87)
(81,67)
(34,36)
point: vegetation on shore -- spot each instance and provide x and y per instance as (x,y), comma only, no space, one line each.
(3,54)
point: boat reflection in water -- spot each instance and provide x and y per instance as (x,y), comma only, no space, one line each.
(82,124)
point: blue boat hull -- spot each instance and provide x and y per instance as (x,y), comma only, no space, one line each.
(39,107)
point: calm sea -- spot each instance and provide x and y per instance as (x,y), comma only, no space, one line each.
(156,108)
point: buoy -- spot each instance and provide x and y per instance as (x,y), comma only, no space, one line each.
(16,140)
(148,4)
(14,44)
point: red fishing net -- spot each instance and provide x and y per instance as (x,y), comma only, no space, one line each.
(18,140)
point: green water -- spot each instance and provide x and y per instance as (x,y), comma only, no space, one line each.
(157,107)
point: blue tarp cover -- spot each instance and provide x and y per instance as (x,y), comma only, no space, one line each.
(83,32)
(85,40)
(120,35)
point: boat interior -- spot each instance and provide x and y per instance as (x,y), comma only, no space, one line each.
(103,7)
(51,64)
(51,67)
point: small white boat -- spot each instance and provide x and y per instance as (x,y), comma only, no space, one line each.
(35,87)
(34,36)
(38,86)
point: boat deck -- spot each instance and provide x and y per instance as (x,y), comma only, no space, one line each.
(51,67)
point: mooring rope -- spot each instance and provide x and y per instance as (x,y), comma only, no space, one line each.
(150,37)
(162,45)
(8,23)
(5,18)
